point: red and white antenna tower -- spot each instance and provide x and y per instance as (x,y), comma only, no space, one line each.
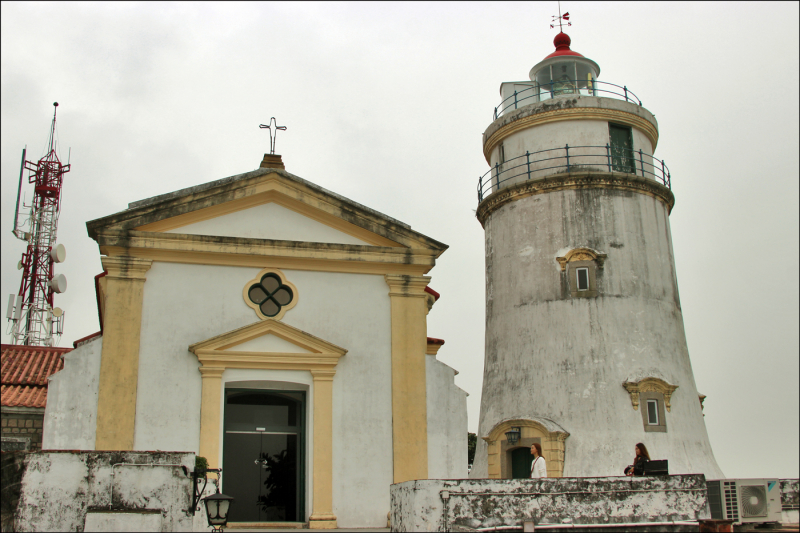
(32,318)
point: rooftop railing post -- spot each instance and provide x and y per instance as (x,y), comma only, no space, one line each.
(625,88)
(497,174)
(608,154)
(567,149)
(528,157)
(480,189)
(669,180)
(515,99)
(641,161)
(495,113)
(663,174)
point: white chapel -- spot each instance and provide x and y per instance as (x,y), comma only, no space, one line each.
(276,329)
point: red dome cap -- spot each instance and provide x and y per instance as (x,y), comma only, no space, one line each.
(562,42)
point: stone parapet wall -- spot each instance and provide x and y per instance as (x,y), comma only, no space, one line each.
(27,424)
(62,490)
(469,504)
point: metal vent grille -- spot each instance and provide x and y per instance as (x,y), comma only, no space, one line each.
(731,503)
(753,500)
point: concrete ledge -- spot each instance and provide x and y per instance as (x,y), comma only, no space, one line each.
(470,504)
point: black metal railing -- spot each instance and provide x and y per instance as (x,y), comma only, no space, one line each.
(607,158)
(537,93)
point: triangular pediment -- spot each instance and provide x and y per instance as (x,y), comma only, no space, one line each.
(268,344)
(250,205)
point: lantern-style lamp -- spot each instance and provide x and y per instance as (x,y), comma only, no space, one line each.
(513,436)
(217,507)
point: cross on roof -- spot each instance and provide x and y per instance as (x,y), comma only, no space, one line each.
(272,124)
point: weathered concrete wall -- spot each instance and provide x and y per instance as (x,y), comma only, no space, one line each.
(447,422)
(13,468)
(70,418)
(445,505)
(551,357)
(790,501)
(60,488)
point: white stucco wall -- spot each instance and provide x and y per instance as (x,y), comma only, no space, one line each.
(447,422)
(185,304)
(553,357)
(70,417)
(269,221)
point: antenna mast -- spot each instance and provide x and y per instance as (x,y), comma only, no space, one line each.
(32,318)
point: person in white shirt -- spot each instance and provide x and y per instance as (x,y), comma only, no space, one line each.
(538,466)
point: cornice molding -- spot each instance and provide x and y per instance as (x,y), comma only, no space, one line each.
(407,286)
(574,181)
(126,267)
(261,253)
(575,113)
(581,254)
(649,385)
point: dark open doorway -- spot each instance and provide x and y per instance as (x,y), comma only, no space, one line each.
(263,455)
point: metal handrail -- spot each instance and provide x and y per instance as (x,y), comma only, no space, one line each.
(594,87)
(603,158)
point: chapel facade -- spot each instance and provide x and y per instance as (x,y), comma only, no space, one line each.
(276,329)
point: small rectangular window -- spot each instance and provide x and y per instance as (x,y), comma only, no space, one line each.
(652,412)
(583,279)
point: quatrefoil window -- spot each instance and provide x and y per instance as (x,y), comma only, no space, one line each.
(269,294)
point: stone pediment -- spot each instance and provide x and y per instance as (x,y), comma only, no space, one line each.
(257,196)
(268,344)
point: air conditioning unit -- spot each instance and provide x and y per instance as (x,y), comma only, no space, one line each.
(745,500)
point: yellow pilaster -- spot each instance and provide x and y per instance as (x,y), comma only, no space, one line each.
(211,398)
(322,516)
(409,398)
(119,364)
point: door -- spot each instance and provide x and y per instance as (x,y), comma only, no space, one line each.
(621,146)
(263,450)
(521,460)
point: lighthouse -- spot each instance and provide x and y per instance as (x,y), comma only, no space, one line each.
(585,350)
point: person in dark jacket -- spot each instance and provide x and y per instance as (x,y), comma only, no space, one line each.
(642,456)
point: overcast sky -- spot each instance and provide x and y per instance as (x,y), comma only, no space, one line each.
(386,103)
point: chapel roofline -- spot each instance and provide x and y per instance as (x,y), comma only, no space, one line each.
(216,192)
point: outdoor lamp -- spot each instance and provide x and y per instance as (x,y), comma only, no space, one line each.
(217,507)
(513,436)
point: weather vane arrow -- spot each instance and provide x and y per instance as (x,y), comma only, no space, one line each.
(561,19)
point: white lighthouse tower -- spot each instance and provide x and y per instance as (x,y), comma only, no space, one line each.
(585,345)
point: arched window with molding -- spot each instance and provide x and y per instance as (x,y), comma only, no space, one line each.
(579,266)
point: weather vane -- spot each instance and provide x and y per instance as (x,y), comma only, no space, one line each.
(560,18)
(272,124)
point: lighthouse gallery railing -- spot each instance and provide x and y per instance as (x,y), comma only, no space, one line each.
(540,92)
(572,159)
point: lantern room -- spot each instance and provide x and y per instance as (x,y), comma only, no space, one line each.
(564,72)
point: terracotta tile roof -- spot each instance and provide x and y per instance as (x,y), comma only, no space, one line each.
(24,373)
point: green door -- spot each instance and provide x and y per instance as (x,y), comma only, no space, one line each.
(521,460)
(621,143)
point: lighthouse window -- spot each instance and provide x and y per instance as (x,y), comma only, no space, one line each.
(652,412)
(583,279)
(652,408)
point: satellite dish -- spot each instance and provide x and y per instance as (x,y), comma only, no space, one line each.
(57,312)
(19,265)
(58,253)
(58,284)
